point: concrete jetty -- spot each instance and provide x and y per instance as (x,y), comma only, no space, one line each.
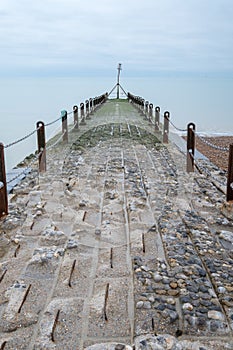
(116,246)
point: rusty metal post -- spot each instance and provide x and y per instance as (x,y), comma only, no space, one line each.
(41,146)
(157,117)
(146,109)
(190,147)
(229,196)
(151,112)
(91,105)
(3,184)
(82,114)
(64,126)
(166,127)
(75,114)
(143,105)
(87,109)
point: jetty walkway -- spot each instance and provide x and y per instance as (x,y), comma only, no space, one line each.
(116,246)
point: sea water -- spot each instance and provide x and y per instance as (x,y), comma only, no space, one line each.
(205,100)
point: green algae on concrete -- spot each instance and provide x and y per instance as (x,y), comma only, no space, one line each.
(102,133)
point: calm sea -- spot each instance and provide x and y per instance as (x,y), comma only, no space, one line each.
(206,101)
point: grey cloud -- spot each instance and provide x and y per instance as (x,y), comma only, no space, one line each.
(155,35)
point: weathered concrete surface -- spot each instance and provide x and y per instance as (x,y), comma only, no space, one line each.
(116,246)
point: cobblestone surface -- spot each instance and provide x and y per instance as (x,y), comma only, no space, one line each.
(116,246)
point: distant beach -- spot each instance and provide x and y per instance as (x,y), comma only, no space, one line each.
(217,157)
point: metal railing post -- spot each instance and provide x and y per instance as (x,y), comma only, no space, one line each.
(91,105)
(151,112)
(229,196)
(3,184)
(87,109)
(41,146)
(75,114)
(166,127)
(190,147)
(82,114)
(157,117)
(146,109)
(64,126)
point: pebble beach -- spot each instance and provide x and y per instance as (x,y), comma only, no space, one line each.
(220,158)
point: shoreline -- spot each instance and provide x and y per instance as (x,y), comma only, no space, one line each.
(216,156)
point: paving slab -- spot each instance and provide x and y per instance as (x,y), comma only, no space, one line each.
(116,246)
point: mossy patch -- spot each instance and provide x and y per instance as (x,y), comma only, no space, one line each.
(102,133)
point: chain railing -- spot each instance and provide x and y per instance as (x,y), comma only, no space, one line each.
(21,139)
(83,113)
(53,122)
(153,116)
(225,187)
(146,110)
(27,169)
(210,144)
(56,142)
(175,127)
(89,107)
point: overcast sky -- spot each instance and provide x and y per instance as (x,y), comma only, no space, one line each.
(66,37)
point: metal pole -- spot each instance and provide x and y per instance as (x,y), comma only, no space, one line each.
(118,80)
(146,109)
(166,127)
(82,114)
(75,113)
(230,175)
(41,146)
(190,147)
(157,117)
(150,112)
(3,184)
(91,105)
(87,109)
(64,126)
(142,105)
